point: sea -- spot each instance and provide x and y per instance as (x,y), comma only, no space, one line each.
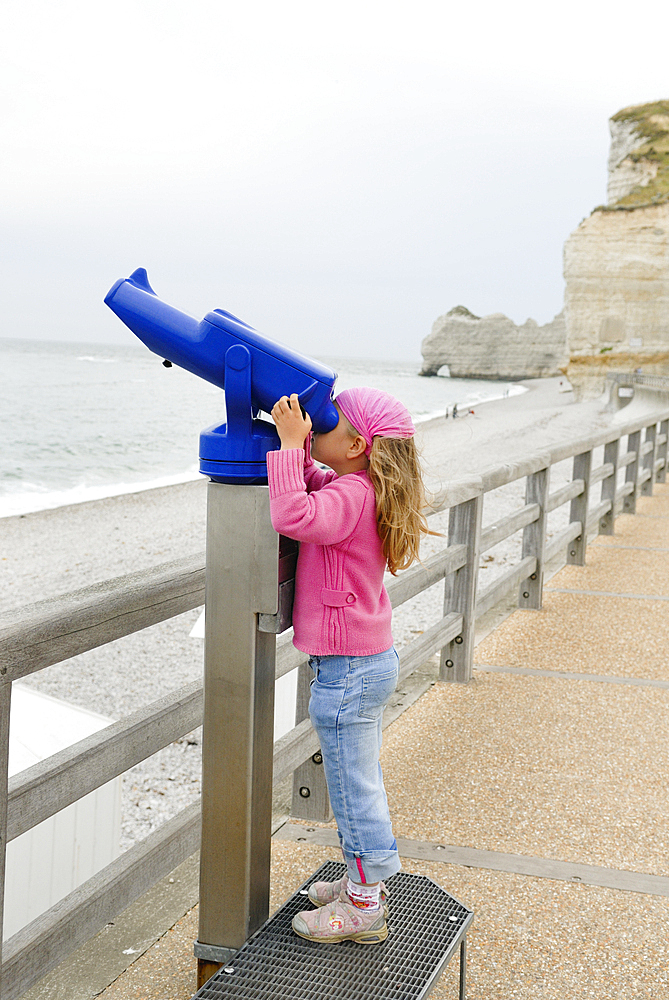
(86,421)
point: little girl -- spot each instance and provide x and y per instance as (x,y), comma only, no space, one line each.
(352,522)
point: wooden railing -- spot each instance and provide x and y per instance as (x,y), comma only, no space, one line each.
(35,637)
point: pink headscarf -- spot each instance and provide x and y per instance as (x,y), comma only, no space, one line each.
(375,413)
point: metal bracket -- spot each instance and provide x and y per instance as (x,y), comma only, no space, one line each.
(283,619)
(213,952)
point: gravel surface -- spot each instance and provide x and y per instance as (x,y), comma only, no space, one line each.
(560,769)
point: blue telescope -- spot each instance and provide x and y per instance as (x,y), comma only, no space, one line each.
(253,370)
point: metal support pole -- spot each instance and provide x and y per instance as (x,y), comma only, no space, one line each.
(579,509)
(632,472)
(5,703)
(310,790)
(649,461)
(464,528)
(463,968)
(534,540)
(609,486)
(662,452)
(237,750)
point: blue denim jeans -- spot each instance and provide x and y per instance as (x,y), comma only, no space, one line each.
(348,694)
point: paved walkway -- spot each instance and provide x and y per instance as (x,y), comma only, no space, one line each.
(546,778)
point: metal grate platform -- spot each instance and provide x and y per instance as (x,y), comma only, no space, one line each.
(426,926)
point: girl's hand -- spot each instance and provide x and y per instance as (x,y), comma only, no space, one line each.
(293,428)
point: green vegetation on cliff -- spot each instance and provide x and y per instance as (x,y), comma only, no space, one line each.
(651,126)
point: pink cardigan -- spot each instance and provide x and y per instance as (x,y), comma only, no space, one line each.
(341,606)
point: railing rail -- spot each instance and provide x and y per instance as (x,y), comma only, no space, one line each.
(50,631)
(47,787)
(638,378)
(47,632)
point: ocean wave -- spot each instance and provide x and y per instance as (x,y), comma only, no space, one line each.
(32,497)
(112,424)
(102,361)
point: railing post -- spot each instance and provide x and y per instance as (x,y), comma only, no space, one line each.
(579,509)
(609,486)
(534,540)
(310,790)
(238,733)
(464,528)
(632,472)
(5,703)
(649,461)
(662,452)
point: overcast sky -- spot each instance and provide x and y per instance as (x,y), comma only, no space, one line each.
(338,175)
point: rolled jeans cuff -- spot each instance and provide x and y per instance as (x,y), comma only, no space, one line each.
(371,866)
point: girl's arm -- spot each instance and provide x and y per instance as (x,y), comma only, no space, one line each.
(294,427)
(326,516)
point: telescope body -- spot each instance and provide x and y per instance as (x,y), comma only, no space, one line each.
(253,370)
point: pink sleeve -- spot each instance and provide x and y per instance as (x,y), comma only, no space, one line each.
(326,516)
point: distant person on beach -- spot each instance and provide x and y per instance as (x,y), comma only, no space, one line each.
(455,410)
(352,522)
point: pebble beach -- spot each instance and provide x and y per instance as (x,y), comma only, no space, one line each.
(52,552)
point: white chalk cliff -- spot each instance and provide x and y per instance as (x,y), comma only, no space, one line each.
(616,263)
(493,346)
(616,269)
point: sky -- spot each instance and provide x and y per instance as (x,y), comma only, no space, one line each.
(338,175)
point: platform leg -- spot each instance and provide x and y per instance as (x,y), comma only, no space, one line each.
(463,968)
(205,970)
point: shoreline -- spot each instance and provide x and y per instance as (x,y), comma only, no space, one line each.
(33,502)
(59,549)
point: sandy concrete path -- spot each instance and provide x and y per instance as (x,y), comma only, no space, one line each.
(566,768)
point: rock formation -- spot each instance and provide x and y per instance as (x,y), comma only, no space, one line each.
(616,263)
(494,346)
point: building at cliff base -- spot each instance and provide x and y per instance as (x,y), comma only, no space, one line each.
(616,263)
(494,346)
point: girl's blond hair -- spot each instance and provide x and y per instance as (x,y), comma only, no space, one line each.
(395,472)
(397,478)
